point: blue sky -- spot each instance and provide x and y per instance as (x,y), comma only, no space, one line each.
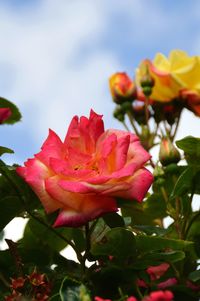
(56,57)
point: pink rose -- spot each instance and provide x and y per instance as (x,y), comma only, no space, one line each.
(159,296)
(101,299)
(4,114)
(83,175)
(155,272)
(169,282)
(131,299)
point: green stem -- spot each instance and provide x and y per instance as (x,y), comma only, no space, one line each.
(3,279)
(176,127)
(164,193)
(146,104)
(177,219)
(186,217)
(126,126)
(133,124)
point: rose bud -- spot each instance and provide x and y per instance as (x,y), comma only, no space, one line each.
(168,152)
(4,114)
(122,88)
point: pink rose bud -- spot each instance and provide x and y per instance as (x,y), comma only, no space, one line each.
(5,113)
(131,299)
(168,152)
(167,283)
(155,272)
(83,176)
(100,299)
(122,88)
(159,296)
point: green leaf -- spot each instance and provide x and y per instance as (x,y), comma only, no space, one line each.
(4,150)
(15,116)
(113,220)
(190,145)
(153,243)
(71,290)
(172,256)
(147,212)
(117,242)
(194,276)
(10,207)
(53,240)
(151,230)
(185,182)
(155,258)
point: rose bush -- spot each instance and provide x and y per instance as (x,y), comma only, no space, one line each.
(175,77)
(133,255)
(83,175)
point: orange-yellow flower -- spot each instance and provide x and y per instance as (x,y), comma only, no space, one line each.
(175,77)
(122,87)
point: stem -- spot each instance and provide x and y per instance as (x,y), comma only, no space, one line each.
(146,104)
(133,124)
(177,219)
(88,243)
(164,193)
(176,127)
(186,218)
(152,163)
(126,126)
(3,279)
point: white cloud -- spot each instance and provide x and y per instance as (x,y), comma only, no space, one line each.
(55,64)
(51,75)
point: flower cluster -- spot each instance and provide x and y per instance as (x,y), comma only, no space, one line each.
(91,192)
(35,287)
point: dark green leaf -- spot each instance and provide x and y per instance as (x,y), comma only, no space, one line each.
(113,220)
(4,150)
(172,256)
(194,276)
(147,212)
(151,230)
(185,182)
(48,235)
(117,242)
(10,207)
(153,243)
(190,145)
(71,290)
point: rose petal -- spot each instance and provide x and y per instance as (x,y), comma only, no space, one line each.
(91,208)
(139,185)
(35,174)
(52,148)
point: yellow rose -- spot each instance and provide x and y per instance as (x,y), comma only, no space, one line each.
(177,76)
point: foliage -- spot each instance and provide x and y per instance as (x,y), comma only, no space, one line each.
(124,254)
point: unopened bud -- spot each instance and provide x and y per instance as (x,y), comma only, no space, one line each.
(147,81)
(119,113)
(127,107)
(168,152)
(122,88)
